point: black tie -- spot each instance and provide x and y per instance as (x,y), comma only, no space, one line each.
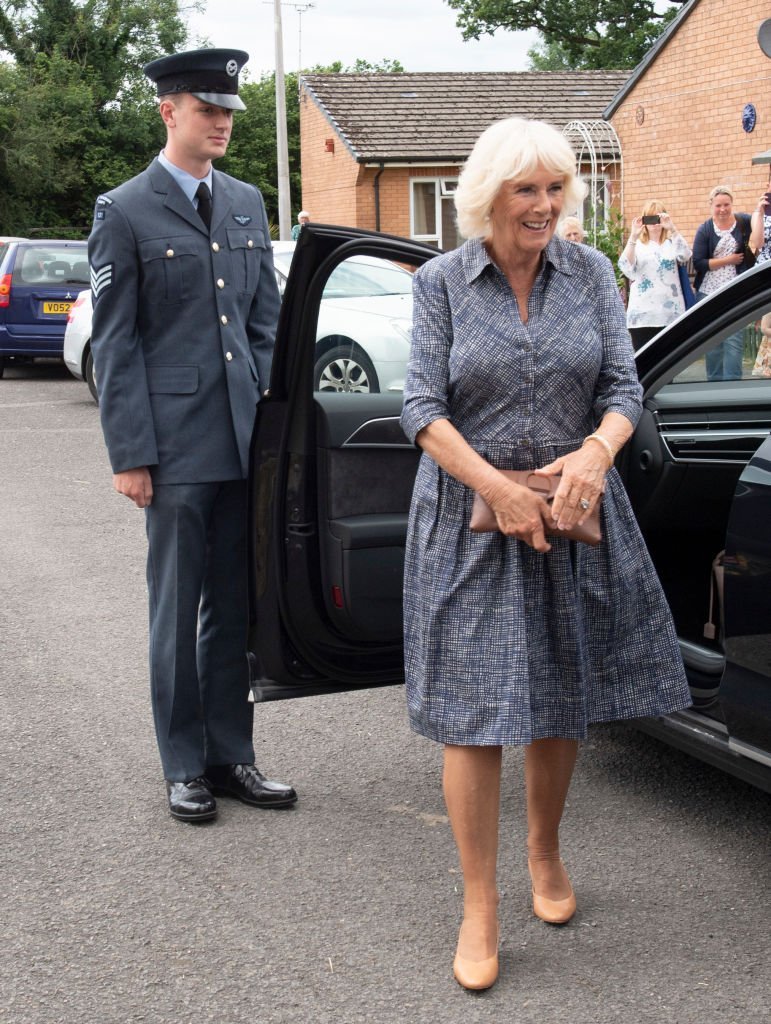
(203,195)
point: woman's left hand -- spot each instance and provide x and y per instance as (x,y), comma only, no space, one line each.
(583,481)
(668,223)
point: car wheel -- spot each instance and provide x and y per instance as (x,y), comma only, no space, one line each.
(90,378)
(345,368)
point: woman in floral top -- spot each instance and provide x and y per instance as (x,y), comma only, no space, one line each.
(650,261)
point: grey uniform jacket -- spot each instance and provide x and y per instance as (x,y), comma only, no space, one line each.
(183,327)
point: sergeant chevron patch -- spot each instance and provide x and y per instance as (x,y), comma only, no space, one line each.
(101,279)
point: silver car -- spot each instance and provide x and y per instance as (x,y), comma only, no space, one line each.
(363,335)
(364,325)
(77,341)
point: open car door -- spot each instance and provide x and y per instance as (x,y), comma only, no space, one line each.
(698,473)
(332,472)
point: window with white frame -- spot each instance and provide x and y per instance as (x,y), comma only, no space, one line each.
(432,212)
(597,201)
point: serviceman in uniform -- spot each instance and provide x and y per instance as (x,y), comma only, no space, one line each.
(185,311)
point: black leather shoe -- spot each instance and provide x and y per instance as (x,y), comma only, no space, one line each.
(191,801)
(246,783)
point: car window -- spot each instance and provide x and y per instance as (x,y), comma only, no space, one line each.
(743,353)
(364,327)
(356,278)
(51,265)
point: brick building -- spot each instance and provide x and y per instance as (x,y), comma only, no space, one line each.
(383,151)
(681,116)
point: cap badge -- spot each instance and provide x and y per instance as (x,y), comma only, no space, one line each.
(231,68)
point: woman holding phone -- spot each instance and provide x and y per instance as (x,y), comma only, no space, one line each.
(649,260)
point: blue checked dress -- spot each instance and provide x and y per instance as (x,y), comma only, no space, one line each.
(504,645)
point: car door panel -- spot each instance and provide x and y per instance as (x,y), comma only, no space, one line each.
(366,472)
(697,472)
(746,688)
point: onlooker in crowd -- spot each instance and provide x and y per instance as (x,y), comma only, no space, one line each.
(762,367)
(303,218)
(649,260)
(760,240)
(571,229)
(718,256)
(183,337)
(521,360)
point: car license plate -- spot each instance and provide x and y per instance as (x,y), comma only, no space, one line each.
(56,307)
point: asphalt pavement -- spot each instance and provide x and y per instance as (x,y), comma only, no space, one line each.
(344,909)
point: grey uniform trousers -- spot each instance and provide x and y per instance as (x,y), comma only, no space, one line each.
(196,577)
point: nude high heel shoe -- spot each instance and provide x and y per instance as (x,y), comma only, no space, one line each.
(476,975)
(552,911)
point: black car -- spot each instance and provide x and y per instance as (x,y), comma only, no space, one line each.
(330,487)
(39,281)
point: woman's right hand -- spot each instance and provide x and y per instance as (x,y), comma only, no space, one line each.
(519,513)
(637,226)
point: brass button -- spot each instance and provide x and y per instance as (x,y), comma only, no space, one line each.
(220,283)
(250,244)
(229,356)
(215,247)
(223,319)
(169,252)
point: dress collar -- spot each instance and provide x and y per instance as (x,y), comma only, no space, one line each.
(476,258)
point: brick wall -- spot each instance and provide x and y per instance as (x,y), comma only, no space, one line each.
(690,102)
(329,178)
(338,190)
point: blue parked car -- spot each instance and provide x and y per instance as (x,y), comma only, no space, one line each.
(39,281)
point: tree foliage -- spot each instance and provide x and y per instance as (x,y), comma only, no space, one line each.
(78,116)
(548,57)
(587,33)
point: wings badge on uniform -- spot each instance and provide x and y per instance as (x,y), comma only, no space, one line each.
(101,279)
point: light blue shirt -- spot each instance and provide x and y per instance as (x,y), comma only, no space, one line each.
(186,181)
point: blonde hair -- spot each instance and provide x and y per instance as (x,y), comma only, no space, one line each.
(571,224)
(511,150)
(653,206)
(721,190)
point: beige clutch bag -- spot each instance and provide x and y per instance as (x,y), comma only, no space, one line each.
(483,519)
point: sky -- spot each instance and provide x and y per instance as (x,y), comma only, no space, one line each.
(420,33)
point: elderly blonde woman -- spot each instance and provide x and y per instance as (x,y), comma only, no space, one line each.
(571,229)
(649,260)
(521,360)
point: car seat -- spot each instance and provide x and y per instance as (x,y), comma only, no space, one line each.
(58,270)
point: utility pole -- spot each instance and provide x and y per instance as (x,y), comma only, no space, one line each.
(282,146)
